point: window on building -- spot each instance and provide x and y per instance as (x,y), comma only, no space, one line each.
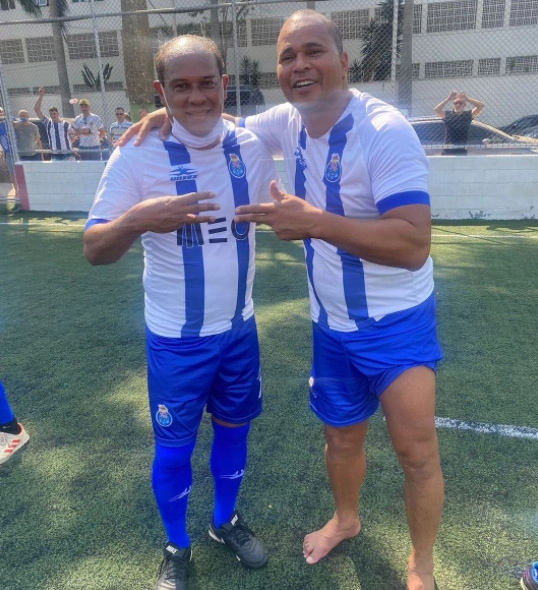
(490,66)
(48,89)
(18,91)
(41,2)
(226,32)
(448,69)
(82,88)
(265,30)
(493,14)
(40,49)
(268,80)
(11,51)
(83,46)
(380,16)
(417,19)
(523,12)
(351,23)
(451,16)
(7,4)
(523,64)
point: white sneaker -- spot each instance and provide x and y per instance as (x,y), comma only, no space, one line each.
(11,443)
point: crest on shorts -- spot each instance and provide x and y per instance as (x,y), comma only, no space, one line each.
(236,166)
(163,416)
(333,171)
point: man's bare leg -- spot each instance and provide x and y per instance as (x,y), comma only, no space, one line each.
(409,406)
(345,461)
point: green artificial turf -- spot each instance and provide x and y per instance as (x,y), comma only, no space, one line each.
(76,507)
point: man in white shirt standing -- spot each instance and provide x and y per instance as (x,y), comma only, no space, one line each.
(180,195)
(89,130)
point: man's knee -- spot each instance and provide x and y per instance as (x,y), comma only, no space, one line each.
(173,458)
(420,460)
(347,440)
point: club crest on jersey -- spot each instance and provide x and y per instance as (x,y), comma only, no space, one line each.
(236,166)
(163,416)
(299,157)
(180,173)
(333,170)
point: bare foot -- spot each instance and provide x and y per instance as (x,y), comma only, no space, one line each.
(318,544)
(420,578)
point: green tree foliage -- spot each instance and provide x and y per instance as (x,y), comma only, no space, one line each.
(376,54)
(93,81)
(250,72)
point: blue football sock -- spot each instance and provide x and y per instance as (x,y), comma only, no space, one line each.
(6,415)
(228,461)
(171,480)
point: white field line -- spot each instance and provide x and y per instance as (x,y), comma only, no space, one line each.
(482,428)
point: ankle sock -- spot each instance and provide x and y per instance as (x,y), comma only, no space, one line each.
(11,427)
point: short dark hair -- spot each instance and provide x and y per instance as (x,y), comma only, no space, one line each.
(172,48)
(53,110)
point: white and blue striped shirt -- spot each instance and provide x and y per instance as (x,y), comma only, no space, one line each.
(58,135)
(369,162)
(198,280)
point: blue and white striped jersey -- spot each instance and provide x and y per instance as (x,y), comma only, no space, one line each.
(198,280)
(371,161)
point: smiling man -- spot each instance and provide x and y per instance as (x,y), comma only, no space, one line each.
(361,207)
(201,342)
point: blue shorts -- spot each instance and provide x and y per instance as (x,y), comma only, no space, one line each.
(221,373)
(350,370)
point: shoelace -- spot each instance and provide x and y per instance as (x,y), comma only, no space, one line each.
(240,534)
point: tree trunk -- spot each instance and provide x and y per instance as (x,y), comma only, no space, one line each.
(67,109)
(137,55)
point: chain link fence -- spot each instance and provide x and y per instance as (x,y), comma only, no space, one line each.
(411,54)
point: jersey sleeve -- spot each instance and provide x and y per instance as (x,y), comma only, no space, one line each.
(397,164)
(120,187)
(270,126)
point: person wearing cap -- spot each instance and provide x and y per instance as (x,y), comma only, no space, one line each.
(89,130)
(58,131)
(28,139)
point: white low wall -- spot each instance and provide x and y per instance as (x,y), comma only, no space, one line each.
(484,187)
(58,186)
(461,187)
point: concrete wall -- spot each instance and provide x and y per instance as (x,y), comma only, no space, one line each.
(461,187)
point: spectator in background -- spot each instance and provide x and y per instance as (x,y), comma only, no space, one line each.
(458,120)
(29,143)
(6,152)
(59,132)
(90,131)
(12,434)
(120,125)
(142,112)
